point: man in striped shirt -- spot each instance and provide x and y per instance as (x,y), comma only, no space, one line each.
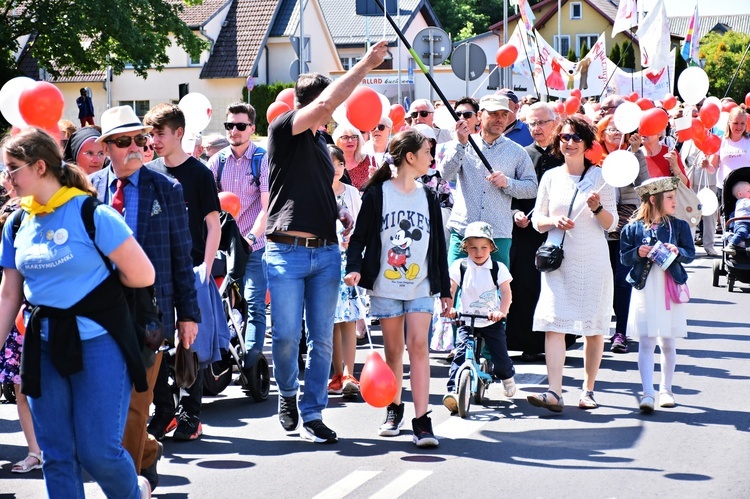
(237,177)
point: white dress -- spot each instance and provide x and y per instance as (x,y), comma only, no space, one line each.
(577,297)
(648,314)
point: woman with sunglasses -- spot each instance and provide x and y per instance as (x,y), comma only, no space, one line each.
(358,164)
(611,139)
(148,149)
(577,297)
(80,356)
(378,143)
(83,150)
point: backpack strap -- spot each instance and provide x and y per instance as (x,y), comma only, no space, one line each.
(87,215)
(220,169)
(257,158)
(462,268)
(494,271)
(16,219)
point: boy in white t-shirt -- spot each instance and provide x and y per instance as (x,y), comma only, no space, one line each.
(480,279)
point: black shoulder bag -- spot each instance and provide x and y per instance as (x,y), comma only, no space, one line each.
(549,256)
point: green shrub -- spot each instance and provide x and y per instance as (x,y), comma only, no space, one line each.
(261,97)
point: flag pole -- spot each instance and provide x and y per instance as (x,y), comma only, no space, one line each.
(737,70)
(432,82)
(533,80)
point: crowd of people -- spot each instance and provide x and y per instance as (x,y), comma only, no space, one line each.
(400,226)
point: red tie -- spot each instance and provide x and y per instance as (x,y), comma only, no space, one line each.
(118,201)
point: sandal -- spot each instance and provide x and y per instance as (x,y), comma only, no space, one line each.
(587,400)
(647,404)
(23,465)
(543,400)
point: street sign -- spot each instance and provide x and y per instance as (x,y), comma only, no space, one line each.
(295,46)
(432,45)
(294,69)
(472,68)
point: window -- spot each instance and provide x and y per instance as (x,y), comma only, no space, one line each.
(349,62)
(589,40)
(576,10)
(193,61)
(140,107)
(562,44)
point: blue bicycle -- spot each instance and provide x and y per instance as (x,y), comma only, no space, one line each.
(473,377)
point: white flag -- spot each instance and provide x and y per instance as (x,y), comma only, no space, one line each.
(627,17)
(654,39)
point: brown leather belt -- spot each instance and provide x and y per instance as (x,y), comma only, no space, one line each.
(306,242)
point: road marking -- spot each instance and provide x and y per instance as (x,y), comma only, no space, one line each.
(401,484)
(347,484)
(456,427)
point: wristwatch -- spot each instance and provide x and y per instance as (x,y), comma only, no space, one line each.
(252,237)
(598,210)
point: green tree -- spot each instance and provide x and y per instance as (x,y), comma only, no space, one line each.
(86,35)
(583,51)
(628,56)
(466,32)
(615,54)
(722,54)
(571,55)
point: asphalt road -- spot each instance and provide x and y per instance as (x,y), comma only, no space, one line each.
(505,448)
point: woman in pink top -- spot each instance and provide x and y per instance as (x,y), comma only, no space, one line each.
(358,164)
(663,161)
(735,147)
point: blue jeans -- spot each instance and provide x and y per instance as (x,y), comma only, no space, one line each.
(494,340)
(303,279)
(79,422)
(255,284)
(740,234)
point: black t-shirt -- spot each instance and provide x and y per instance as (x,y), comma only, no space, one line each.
(299,182)
(201,198)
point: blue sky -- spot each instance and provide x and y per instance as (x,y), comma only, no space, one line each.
(705,7)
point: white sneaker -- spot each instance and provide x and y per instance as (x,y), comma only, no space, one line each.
(666,399)
(144,488)
(509,387)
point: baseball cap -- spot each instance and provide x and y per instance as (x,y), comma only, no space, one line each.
(494,103)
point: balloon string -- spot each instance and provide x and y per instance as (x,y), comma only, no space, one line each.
(483,81)
(582,209)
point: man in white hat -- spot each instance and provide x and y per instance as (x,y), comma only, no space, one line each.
(482,195)
(154,209)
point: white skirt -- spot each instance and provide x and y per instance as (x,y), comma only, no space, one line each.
(648,314)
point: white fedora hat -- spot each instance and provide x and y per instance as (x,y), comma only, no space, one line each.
(120,119)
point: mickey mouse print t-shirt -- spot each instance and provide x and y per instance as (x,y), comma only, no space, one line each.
(404,236)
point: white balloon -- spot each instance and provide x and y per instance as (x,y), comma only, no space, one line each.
(709,201)
(9,96)
(197,110)
(386,105)
(620,168)
(443,119)
(693,85)
(713,99)
(627,116)
(339,115)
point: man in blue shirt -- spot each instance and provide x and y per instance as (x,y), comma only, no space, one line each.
(517,130)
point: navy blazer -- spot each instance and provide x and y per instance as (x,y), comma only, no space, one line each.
(164,235)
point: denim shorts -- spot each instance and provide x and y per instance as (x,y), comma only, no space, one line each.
(386,308)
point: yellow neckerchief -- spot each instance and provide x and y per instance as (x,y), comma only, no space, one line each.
(62,196)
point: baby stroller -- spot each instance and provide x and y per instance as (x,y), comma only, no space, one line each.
(735,267)
(228,271)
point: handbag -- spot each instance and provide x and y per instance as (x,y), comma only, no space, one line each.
(688,205)
(549,256)
(674,293)
(185,366)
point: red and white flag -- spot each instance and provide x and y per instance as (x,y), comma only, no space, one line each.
(654,38)
(627,17)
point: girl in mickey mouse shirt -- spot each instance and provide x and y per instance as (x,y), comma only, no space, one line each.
(405,264)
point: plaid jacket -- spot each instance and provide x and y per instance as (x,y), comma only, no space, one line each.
(164,235)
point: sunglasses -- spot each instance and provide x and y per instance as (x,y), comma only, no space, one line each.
(567,137)
(124,142)
(465,114)
(240,126)
(423,114)
(146,148)
(380,127)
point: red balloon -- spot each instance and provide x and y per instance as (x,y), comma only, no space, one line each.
(653,122)
(364,108)
(41,104)
(712,144)
(286,96)
(506,55)
(572,105)
(747,99)
(576,93)
(397,114)
(275,110)
(632,97)
(645,104)
(20,325)
(559,108)
(684,135)
(669,101)
(377,383)
(230,203)
(709,114)
(595,153)
(727,106)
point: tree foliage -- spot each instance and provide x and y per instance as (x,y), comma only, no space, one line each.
(628,56)
(615,54)
(261,97)
(571,56)
(722,54)
(87,35)
(456,16)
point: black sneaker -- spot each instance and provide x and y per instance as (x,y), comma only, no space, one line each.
(159,425)
(423,436)
(316,431)
(288,413)
(394,420)
(188,427)
(150,473)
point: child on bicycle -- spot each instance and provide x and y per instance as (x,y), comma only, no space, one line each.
(480,278)
(405,264)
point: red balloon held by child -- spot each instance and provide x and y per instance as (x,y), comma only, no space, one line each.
(377,383)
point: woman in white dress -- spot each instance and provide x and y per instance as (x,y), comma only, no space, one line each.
(577,297)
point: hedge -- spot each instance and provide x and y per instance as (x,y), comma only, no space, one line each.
(261,97)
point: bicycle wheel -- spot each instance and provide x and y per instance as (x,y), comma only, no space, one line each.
(481,387)
(464,392)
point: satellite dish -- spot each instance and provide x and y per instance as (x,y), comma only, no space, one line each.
(440,41)
(477,61)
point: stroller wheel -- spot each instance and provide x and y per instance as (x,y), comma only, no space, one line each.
(717,272)
(9,391)
(258,379)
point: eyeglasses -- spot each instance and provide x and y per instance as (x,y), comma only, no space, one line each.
(567,137)
(347,138)
(612,130)
(91,154)
(465,114)
(535,124)
(124,142)
(15,170)
(240,126)
(380,127)
(423,114)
